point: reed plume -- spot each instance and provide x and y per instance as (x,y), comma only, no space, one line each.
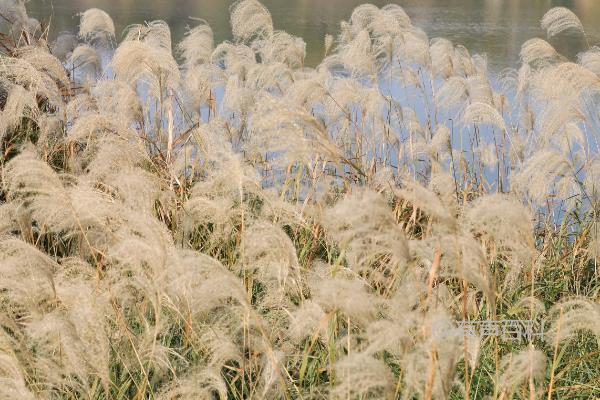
(225,221)
(96,26)
(250,19)
(560,19)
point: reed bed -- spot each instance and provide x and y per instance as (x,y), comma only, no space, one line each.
(220,221)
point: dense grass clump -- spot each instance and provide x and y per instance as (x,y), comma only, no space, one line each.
(220,221)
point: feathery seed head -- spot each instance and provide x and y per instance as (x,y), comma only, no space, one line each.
(559,19)
(250,20)
(197,45)
(97,27)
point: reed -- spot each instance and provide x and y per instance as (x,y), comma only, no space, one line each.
(223,222)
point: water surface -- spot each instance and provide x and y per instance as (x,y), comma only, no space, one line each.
(495,27)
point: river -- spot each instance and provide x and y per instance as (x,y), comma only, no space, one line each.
(494,27)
